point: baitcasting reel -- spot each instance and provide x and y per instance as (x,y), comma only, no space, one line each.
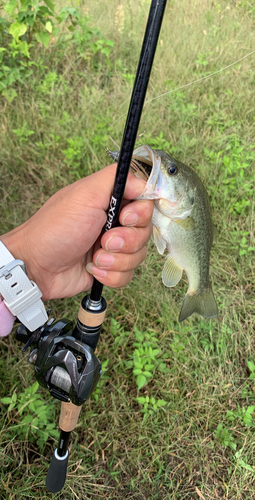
(66,366)
(65,363)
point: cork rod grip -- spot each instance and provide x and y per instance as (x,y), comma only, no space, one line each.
(89,318)
(69,416)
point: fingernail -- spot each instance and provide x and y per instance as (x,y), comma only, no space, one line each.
(92,269)
(114,243)
(130,219)
(104,260)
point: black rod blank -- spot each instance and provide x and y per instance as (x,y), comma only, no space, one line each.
(133,119)
(58,467)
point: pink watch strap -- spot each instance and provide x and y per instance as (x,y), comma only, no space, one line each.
(6,320)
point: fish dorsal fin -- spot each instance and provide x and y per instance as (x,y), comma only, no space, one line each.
(186,224)
(158,240)
(171,273)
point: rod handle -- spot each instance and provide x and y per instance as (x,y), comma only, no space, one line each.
(69,416)
(56,474)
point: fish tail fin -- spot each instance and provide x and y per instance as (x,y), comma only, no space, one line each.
(202,303)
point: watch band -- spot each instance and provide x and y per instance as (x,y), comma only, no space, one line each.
(21,296)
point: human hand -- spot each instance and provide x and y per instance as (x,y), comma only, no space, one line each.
(60,244)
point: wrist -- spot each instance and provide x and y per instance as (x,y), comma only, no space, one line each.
(17,243)
(21,294)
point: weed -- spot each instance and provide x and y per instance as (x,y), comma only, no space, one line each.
(251,367)
(145,358)
(244,415)
(73,154)
(241,242)
(98,392)
(36,418)
(23,133)
(150,405)
(224,437)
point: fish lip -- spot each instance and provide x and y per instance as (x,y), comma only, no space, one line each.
(152,190)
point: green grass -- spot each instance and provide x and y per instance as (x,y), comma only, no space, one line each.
(57,129)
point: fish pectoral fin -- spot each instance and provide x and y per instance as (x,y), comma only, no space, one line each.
(171,273)
(186,224)
(202,303)
(158,240)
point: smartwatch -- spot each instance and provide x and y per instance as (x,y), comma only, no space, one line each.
(20,295)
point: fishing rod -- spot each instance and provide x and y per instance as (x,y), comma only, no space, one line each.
(64,358)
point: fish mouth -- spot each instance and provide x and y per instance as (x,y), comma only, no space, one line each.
(141,164)
(145,165)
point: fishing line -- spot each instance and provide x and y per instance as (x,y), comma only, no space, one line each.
(190,83)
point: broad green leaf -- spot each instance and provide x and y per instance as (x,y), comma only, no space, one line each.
(138,364)
(141,400)
(137,371)
(10,7)
(23,48)
(48,26)
(9,94)
(44,38)
(17,30)
(250,409)
(161,402)
(148,366)
(246,466)
(34,388)
(141,381)
(6,401)
(35,7)
(10,408)
(27,419)
(24,4)
(49,4)
(156,352)
(11,78)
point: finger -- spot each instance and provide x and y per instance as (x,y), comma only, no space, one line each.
(114,279)
(137,213)
(118,261)
(134,187)
(99,187)
(126,239)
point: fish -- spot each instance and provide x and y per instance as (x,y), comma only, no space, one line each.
(182,225)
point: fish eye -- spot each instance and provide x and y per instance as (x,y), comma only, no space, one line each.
(172,169)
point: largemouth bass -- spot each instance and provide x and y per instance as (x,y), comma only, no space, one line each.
(182,225)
